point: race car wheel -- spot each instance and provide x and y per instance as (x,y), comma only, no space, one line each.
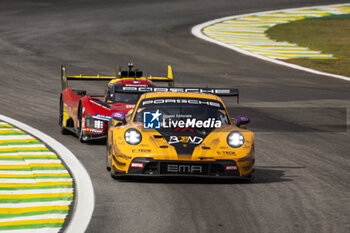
(108,161)
(80,132)
(114,173)
(249,179)
(252,178)
(60,119)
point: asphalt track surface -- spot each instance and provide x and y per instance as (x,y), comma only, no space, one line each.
(303,180)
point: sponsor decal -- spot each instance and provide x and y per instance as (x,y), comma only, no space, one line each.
(184,168)
(151,120)
(139,165)
(192,123)
(141,151)
(119,115)
(242,118)
(130,106)
(90,130)
(133,85)
(145,88)
(102,117)
(181,101)
(226,153)
(230,168)
(177,116)
(154,120)
(185,139)
(136,82)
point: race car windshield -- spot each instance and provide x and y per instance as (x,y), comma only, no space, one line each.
(182,109)
(128,98)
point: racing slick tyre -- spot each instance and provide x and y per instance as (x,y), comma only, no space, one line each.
(80,132)
(108,150)
(115,174)
(60,119)
(108,161)
(249,179)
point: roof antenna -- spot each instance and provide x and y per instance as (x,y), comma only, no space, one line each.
(130,66)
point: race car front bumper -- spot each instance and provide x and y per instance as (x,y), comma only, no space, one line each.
(151,167)
(94,136)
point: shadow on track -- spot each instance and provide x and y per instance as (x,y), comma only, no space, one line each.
(263,174)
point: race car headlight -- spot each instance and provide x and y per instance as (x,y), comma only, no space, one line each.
(132,136)
(235,139)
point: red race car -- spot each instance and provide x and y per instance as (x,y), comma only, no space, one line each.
(87,115)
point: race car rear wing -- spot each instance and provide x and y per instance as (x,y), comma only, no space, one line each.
(137,75)
(144,89)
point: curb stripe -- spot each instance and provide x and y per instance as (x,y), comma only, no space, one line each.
(34,181)
(33,169)
(34,213)
(38,187)
(199,31)
(36,217)
(43,199)
(15,146)
(47,162)
(20,151)
(14,206)
(36,184)
(29,153)
(22,192)
(19,137)
(34,172)
(41,230)
(84,194)
(32,176)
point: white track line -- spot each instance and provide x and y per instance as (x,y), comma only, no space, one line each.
(197,31)
(84,195)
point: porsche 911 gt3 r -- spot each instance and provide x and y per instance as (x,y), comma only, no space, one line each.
(178,132)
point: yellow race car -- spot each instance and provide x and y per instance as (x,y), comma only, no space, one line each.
(179,132)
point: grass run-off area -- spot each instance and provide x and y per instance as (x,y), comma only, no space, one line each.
(330,35)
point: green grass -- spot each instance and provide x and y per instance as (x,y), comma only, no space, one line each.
(329,34)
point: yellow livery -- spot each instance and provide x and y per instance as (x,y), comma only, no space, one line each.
(180,132)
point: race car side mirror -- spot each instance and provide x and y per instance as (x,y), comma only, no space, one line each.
(119,116)
(242,120)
